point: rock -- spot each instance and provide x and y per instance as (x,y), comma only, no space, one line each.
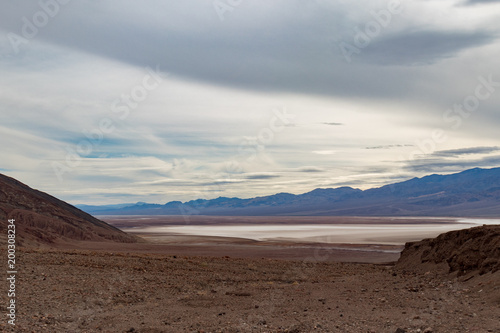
(400,330)
(462,251)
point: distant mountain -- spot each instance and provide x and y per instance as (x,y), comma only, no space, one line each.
(42,219)
(95,209)
(474,192)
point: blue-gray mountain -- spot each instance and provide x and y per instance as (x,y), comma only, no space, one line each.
(474,192)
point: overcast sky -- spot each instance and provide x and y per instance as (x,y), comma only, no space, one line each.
(106,102)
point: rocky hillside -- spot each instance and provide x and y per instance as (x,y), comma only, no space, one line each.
(42,219)
(475,250)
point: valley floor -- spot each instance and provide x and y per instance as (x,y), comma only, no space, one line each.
(110,291)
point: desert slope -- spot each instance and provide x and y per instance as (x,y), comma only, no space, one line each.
(469,251)
(44,219)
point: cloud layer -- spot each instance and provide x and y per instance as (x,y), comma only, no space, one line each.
(158,101)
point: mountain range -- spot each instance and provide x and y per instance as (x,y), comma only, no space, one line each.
(474,192)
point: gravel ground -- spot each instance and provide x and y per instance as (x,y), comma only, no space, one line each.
(99,291)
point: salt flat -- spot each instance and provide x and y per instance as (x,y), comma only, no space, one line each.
(340,230)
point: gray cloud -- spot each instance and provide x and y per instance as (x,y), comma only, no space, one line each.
(389,146)
(219,183)
(261,176)
(225,78)
(310,170)
(333,124)
(346,183)
(373,169)
(423,47)
(430,165)
(466,151)
(477,2)
(278,51)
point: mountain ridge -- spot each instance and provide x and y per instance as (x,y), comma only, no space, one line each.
(43,219)
(473,192)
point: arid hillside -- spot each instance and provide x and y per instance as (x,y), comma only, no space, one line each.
(470,251)
(43,219)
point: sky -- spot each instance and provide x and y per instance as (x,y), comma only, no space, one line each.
(107,102)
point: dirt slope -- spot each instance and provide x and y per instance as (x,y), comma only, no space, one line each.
(43,219)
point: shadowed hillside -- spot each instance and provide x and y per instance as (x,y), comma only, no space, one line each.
(475,251)
(43,219)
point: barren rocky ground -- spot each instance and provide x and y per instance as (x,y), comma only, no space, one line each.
(99,291)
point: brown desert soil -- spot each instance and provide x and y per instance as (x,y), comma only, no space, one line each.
(151,288)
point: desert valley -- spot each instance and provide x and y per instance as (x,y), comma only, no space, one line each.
(208,273)
(232,166)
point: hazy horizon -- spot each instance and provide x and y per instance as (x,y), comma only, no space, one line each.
(108,103)
(250,197)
